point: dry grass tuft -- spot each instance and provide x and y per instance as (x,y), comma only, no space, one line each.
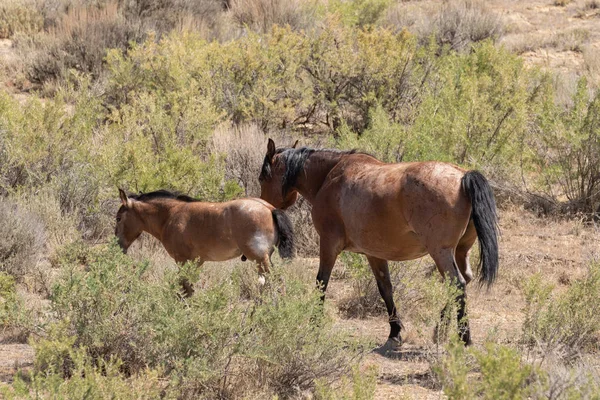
(261,15)
(244,150)
(457,24)
(23,240)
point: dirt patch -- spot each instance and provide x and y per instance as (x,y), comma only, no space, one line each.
(14,358)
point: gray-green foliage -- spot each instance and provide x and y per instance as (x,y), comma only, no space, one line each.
(502,373)
(564,325)
(111,312)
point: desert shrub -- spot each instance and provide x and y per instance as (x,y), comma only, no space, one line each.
(383,138)
(216,343)
(563,325)
(261,15)
(244,152)
(23,239)
(482,110)
(8,299)
(362,387)
(503,374)
(503,99)
(20,16)
(162,16)
(359,13)
(352,72)
(364,300)
(459,24)
(45,140)
(90,379)
(78,41)
(79,33)
(567,148)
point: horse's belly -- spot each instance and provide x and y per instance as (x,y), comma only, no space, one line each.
(393,247)
(222,254)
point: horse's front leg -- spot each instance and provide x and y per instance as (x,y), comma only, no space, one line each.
(186,285)
(330,248)
(384,284)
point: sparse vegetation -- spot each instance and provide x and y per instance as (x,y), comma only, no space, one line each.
(182,94)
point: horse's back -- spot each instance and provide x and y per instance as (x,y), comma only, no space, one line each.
(392,211)
(221,231)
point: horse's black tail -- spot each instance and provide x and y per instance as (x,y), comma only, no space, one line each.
(285,231)
(485,220)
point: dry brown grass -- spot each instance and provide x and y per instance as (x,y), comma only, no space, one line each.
(23,240)
(79,40)
(244,148)
(457,23)
(261,15)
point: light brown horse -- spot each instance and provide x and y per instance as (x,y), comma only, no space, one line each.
(193,230)
(389,212)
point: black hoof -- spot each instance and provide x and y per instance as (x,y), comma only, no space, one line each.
(244,258)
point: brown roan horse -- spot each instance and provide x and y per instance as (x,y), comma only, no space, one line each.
(191,230)
(389,212)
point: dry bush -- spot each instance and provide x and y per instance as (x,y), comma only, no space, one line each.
(563,325)
(22,239)
(20,16)
(364,300)
(572,40)
(461,23)
(79,40)
(591,58)
(218,344)
(306,237)
(561,3)
(592,4)
(162,16)
(79,33)
(244,148)
(261,15)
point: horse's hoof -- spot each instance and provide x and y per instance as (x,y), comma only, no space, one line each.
(244,258)
(261,280)
(392,345)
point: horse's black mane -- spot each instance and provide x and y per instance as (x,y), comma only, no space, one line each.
(163,194)
(294,163)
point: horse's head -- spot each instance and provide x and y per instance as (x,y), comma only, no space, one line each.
(272,178)
(129,224)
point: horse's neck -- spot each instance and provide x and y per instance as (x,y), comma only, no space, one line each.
(155,215)
(314,173)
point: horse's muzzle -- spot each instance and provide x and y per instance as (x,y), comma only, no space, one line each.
(122,246)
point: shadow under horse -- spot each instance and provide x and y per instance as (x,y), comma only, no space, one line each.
(395,212)
(191,230)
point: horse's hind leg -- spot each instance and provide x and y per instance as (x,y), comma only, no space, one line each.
(384,284)
(462,252)
(264,267)
(447,266)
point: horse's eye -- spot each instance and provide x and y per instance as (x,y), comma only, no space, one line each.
(118,219)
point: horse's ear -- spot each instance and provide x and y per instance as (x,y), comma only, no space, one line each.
(271,149)
(295,144)
(126,201)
